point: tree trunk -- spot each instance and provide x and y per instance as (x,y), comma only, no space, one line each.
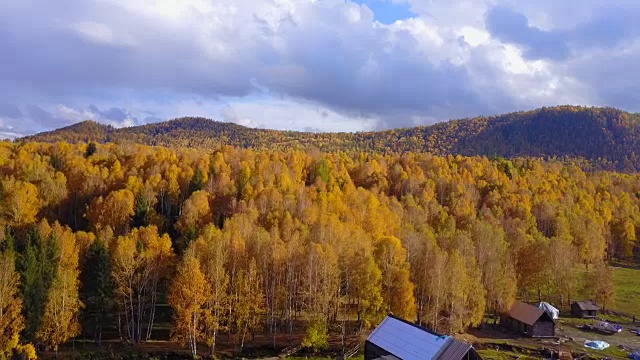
(152,315)
(244,333)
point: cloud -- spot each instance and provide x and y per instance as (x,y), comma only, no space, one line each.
(290,114)
(229,114)
(35,118)
(511,26)
(10,111)
(124,62)
(609,27)
(6,131)
(63,116)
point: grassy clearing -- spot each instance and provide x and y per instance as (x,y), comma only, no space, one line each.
(503,355)
(627,290)
(626,282)
(611,352)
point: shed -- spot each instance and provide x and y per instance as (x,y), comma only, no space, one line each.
(528,320)
(584,309)
(396,338)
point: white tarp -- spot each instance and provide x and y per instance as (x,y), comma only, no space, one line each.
(549,309)
(596,344)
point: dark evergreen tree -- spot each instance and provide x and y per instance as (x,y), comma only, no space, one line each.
(37,268)
(197,182)
(141,208)
(91,149)
(96,291)
(7,245)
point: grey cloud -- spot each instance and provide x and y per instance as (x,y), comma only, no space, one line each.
(608,27)
(114,113)
(513,27)
(614,77)
(36,118)
(7,134)
(58,60)
(593,45)
(7,130)
(45,118)
(10,111)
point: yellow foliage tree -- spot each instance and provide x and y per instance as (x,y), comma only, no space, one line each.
(20,203)
(187,295)
(212,253)
(396,281)
(11,320)
(60,320)
(141,260)
(115,211)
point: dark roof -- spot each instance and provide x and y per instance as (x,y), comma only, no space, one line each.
(587,305)
(525,313)
(406,340)
(454,349)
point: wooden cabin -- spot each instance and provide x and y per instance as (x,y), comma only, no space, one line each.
(528,320)
(396,339)
(584,309)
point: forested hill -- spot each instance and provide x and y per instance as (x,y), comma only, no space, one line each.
(607,136)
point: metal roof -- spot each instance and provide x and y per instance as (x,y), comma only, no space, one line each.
(525,313)
(454,350)
(407,341)
(587,305)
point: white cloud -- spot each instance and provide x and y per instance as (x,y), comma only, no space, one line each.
(474,36)
(7,130)
(229,114)
(92,31)
(287,114)
(100,34)
(269,63)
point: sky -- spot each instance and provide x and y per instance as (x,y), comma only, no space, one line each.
(310,65)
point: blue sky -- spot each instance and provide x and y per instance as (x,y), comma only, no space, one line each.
(312,65)
(388,12)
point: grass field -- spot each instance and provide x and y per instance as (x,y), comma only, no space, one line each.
(627,291)
(503,355)
(626,282)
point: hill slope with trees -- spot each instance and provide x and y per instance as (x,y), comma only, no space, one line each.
(235,242)
(607,137)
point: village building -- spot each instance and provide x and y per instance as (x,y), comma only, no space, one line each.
(528,320)
(396,338)
(584,309)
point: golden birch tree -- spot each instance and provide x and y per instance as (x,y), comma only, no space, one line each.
(11,320)
(60,320)
(187,295)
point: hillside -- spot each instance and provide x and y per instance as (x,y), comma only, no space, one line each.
(607,136)
(288,238)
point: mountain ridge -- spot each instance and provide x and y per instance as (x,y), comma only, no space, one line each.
(606,135)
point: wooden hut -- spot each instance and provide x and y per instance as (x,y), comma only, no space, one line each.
(528,320)
(584,309)
(397,339)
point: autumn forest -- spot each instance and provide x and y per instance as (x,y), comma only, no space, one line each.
(100,240)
